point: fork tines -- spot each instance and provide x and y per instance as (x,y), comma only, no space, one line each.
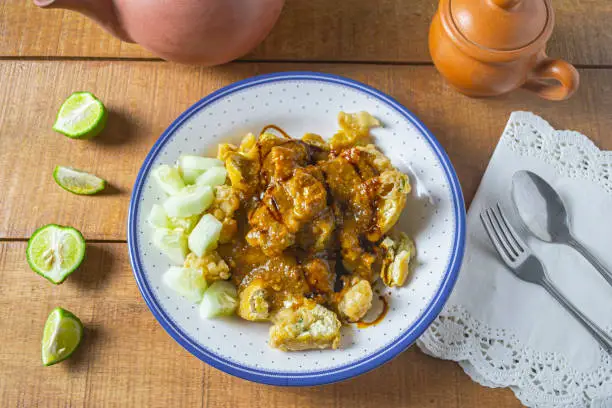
(505,239)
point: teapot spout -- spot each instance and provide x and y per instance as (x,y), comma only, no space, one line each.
(101,11)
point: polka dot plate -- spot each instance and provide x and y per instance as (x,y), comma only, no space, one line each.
(301,102)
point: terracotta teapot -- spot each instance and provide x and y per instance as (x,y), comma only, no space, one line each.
(490,47)
(205,32)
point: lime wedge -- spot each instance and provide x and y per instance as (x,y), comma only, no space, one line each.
(61,336)
(81,116)
(77,181)
(54,252)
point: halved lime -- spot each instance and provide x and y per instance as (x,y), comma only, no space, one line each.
(54,252)
(77,181)
(61,336)
(81,116)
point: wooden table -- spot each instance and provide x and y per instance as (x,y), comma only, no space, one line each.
(126,358)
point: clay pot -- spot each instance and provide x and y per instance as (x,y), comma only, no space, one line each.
(207,32)
(491,47)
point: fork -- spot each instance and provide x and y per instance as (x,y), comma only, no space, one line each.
(527,267)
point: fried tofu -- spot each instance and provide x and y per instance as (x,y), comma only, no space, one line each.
(319,276)
(308,195)
(242,165)
(355,259)
(285,208)
(349,191)
(319,217)
(282,160)
(268,233)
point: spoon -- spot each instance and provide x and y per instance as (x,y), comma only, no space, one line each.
(543,213)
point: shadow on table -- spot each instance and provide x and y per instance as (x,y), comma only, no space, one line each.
(119,129)
(95,270)
(79,360)
(110,190)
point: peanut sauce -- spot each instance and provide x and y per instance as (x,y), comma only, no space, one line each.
(316,253)
(379,318)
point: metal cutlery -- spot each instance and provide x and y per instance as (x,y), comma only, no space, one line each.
(527,267)
(543,213)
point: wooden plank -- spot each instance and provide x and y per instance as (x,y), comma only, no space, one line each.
(314,30)
(27,30)
(144,98)
(126,358)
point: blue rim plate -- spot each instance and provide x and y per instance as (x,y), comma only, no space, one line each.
(323,376)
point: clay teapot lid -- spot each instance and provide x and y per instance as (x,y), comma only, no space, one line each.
(500,24)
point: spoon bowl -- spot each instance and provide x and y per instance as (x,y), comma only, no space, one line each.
(540,207)
(543,213)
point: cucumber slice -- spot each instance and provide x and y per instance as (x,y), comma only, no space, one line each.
(193,166)
(205,235)
(62,335)
(54,252)
(198,163)
(186,224)
(190,176)
(220,299)
(188,282)
(158,217)
(192,200)
(212,177)
(169,179)
(173,243)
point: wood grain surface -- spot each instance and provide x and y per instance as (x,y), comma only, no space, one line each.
(313,30)
(126,359)
(144,98)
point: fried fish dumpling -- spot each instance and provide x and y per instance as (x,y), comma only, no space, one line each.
(310,326)
(393,190)
(355,130)
(356,300)
(253,302)
(396,262)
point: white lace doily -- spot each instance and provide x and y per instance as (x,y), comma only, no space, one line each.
(508,333)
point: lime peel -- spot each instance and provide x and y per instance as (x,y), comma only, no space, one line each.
(81,116)
(77,181)
(62,335)
(55,251)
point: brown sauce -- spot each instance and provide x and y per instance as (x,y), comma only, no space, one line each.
(379,318)
(284,257)
(273,206)
(278,129)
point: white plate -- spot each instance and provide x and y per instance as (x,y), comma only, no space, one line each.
(301,102)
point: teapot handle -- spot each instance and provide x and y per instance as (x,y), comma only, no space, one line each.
(560,71)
